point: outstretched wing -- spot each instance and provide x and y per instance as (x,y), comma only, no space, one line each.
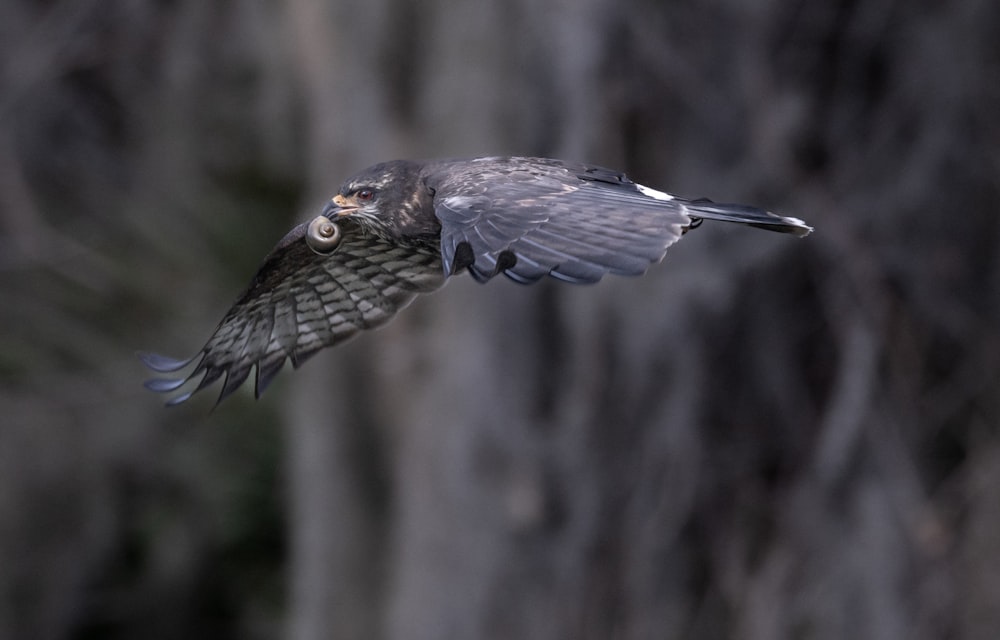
(529,217)
(300,302)
(532,217)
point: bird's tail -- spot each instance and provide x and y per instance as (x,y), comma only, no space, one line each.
(743,214)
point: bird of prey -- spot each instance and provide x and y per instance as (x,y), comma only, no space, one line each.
(402,228)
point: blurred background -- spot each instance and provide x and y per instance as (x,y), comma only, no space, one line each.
(763,438)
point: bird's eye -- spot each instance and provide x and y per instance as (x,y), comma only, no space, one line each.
(365,194)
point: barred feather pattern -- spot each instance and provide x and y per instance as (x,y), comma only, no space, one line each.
(300,302)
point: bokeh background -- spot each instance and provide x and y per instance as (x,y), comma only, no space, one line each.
(763,438)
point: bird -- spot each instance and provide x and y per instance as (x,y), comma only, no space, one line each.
(402,228)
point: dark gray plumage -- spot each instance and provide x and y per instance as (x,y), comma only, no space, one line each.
(401,228)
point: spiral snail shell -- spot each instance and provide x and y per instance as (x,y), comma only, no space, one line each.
(323,235)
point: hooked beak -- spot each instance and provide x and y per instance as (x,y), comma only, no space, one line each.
(338,207)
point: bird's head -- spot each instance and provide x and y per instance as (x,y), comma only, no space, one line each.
(362,199)
(388,200)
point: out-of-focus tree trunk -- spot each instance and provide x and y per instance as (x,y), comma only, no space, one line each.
(337,547)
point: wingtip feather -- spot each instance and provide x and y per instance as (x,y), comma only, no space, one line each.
(266,373)
(162,364)
(164,385)
(184,397)
(234,380)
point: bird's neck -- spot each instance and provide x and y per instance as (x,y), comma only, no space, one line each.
(414,220)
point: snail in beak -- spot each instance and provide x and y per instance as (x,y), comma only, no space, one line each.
(323,235)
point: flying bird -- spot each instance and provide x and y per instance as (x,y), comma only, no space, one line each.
(401,228)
